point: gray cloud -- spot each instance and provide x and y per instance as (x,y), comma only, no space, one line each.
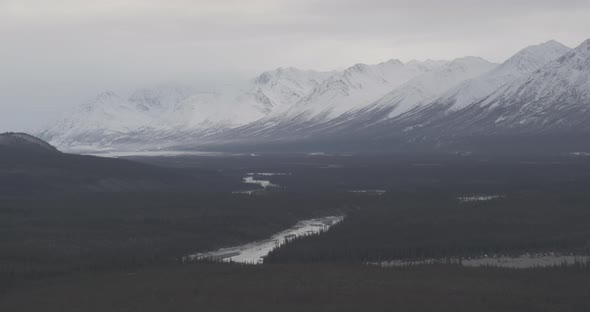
(58,53)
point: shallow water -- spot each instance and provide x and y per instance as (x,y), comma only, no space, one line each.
(263,183)
(467,199)
(269,174)
(368,192)
(524,261)
(254,253)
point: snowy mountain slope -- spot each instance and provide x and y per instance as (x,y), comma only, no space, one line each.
(357,87)
(552,99)
(541,89)
(152,114)
(426,87)
(336,98)
(418,90)
(160,98)
(97,122)
(451,85)
(285,87)
(272,90)
(474,90)
(525,61)
(415,110)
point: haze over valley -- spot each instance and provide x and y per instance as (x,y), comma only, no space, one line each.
(283,155)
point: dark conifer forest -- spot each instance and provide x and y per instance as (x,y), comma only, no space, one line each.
(61,247)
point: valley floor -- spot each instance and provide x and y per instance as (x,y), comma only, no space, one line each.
(121,250)
(219,287)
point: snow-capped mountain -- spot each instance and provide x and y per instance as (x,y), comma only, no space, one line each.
(429,105)
(284,87)
(308,118)
(356,88)
(163,112)
(525,61)
(553,101)
(471,91)
(160,98)
(271,91)
(98,122)
(542,89)
(428,86)
(338,97)
(554,98)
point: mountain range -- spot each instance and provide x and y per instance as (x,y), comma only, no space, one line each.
(543,91)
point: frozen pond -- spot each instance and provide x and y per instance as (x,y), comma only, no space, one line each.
(263,183)
(254,253)
(252,178)
(248,192)
(269,174)
(526,261)
(329,154)
(467,199)
(369,192)
(519,262)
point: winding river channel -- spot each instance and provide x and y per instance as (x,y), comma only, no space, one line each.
(254,253)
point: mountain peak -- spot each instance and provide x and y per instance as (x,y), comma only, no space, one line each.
(426,65)
(584,45)
(392,62)
(159,97)
(525,61)
(533,57)
(104,98)
(423,88)
(264,78)
(579,57)
(106,95)
(359,67)
(468,62)
(553,42)
(468,58)
(553,97)
(272,75)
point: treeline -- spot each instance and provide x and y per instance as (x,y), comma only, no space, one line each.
(72,232)
(432,225)
(322,287)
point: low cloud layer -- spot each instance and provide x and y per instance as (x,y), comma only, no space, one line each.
(56,54)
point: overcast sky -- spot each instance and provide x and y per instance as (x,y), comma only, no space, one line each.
(56,54)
